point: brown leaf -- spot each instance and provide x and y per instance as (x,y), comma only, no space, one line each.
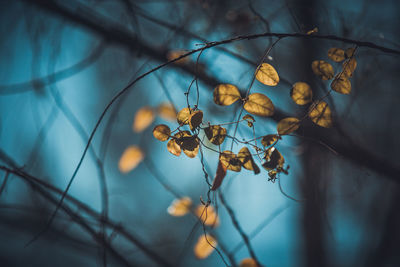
(323,69)
(259,104)
(195,119)
(247,160)
(202,248)
(219,176)
(267,75)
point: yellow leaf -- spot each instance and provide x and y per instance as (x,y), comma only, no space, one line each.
(301,93)
(248,262)
(183,116)
(349,67)
(173,147)
(226,94)
(321,114)
(166,111)
(230,161)
(143,118)
(323,69)
(161,132)
(216,134)
(188,143)
(204,246)
(171,55)
(259,104)
(208,216)
(341,84)
(267,75)
(288,125)
(273,159)
(336,54)
(195,119)
(247,160)
(131,157)
(180,207)
(269,139)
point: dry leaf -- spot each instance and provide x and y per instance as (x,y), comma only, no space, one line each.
(219,176)
(195,119)
(341,84)
(183,116)
(273,159)
(161,132)
(226,94)
(188,143)
(203,249)
(131,157)
(166,111)
(216,134)
(180,207)
(267,75)
(230,161)
(208,216)
(301,93)
(288,125)
(269,139)
(323,69)
(174,148)
(336,54)
(321,114)
(259,104)
(247,160)
(143,118)
(349,67)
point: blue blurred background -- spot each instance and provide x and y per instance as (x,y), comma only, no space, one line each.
(61,62)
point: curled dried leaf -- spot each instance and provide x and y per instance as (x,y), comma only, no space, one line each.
(321,114)
(230,161)
(259,104)
(288,125)
(323,69)
(130,158)
(349,67)
(216,134)
(207,215)
(250,120)
(162,132)
(219,176)
(301,93)
(205,246)
(188,143)
(341,84)
(166,111)
(273,159)
(183,116)
(336,54)
(174,148)
(180,207)
(143,118)
(226,94)
(267,75)
(195,119)
(247,160)
(269,139)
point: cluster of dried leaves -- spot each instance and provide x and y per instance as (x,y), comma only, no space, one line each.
(190,125)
